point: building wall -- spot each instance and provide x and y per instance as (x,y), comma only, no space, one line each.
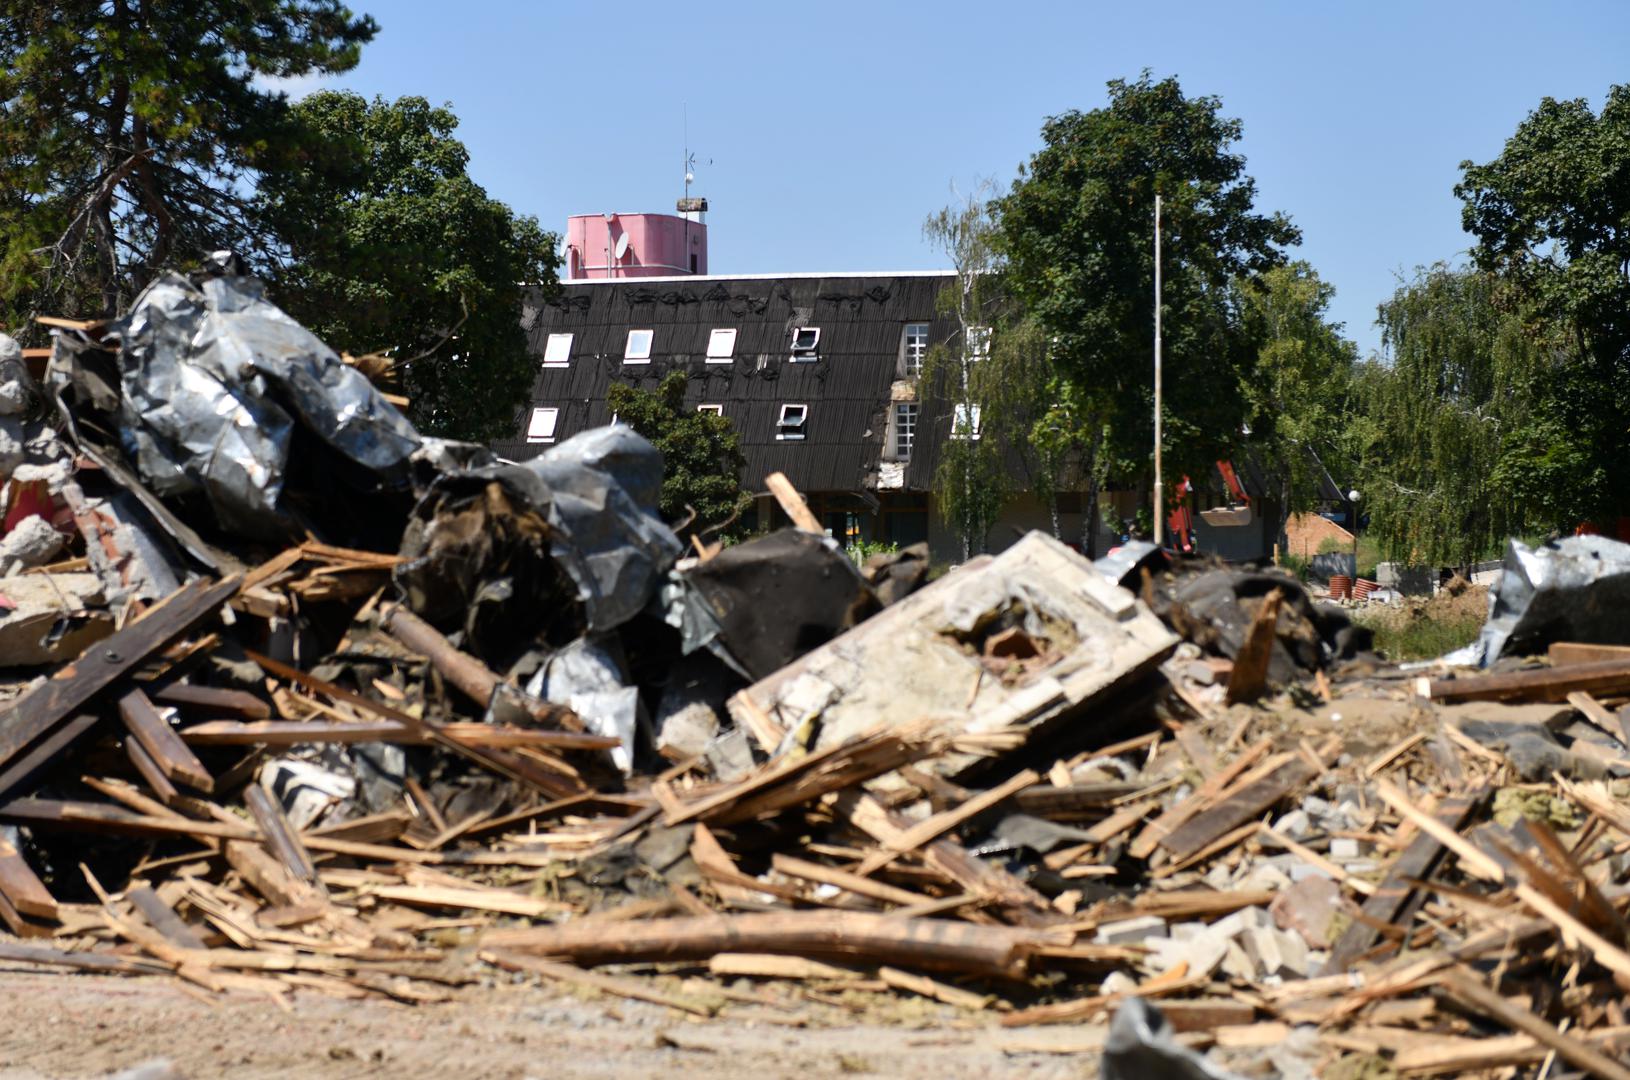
(659,245)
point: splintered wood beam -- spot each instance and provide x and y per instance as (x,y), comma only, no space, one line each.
(291,732)
(22,887)
(852,936)
(522,770)
(1537,684)
(163,918)
(48,707)
(163,745)
(793,504)
(1245,803)
(1470,991)
(151,772)
(281,838)
(214,700)
(1249,679)
(1563,653)
(1391,902)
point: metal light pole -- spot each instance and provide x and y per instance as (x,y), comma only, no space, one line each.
(1160,489)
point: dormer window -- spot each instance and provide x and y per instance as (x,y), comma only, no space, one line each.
(806,342)
(558,351)
(789,425)
(721,345)
(637,350)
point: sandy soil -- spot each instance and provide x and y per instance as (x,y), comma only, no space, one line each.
(54,1027)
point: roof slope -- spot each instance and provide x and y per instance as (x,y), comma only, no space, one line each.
(861,320)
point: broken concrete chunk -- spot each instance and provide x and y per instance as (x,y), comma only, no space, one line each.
(1276,952)
(1200,954)
(50,618)
(1309,908)
(1131,931)
(32,542)
(945,652)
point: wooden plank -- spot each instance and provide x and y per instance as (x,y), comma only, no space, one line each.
(1564,653)
(1537,684)
(162,743)
(1143,845)
(1472,859)
(499,900)
(855,883)
(281,838)
(217,701)
(937,826)
(772,966)
(1600,715)
(151,772)
(1386,905)
(524,770)
(163,918)
(47,707)
(1249,679)
(1238,808)
(923,986)
(793,503)
(1470,991)
(22,887)
(96,817)
(293,732)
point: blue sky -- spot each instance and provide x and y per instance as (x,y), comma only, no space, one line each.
(826,133)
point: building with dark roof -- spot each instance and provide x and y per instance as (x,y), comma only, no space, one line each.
(818,373)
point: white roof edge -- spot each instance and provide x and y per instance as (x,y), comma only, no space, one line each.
(763,277)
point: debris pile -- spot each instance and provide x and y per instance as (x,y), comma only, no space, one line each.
(329,705)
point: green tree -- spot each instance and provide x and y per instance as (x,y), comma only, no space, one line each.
(701,453)
(1077,229)
(387,243)
(130,131)
(1551,216)
(1445,423)
(1297,395)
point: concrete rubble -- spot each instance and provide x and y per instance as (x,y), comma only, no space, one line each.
(312,707)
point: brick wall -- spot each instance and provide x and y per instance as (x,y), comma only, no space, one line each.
(1304,533)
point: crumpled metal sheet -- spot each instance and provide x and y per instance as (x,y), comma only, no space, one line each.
(215,380)
(1574,589)
(590,677)
(1121,566)
(589,500)
(605,486)
(759,606)
(1140,1047)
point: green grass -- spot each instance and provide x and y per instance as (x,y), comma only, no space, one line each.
(1421,638)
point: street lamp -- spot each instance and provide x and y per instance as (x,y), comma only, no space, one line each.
(1352,497)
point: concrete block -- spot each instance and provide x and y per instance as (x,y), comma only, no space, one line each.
(1343,848)
(1236,923)
(1265,876)
(1237,963)
(1297,824)
(1131,931)
(1276,952)
(1200,954)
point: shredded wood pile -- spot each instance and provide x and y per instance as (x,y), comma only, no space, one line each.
(1019,790)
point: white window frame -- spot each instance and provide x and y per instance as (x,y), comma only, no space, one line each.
(895,428)
(557,352)
(978,342)
(913,355)
(788,430)
(810,352)
(631,355)
(721,354)
(542,412)
(960,428)
(716,410)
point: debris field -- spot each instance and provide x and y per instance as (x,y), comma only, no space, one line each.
(302,700)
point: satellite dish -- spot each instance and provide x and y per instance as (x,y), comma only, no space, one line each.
(622,245)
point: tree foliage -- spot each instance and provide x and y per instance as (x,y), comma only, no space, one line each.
(1446,424)
(131,129)
(1298,393)
(387,243)
(1551,216)
(1077,229)
(701,452)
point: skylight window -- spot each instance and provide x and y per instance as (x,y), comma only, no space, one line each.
(716,410)
(806,341)
(721,345)
(978,342)
(558,352)
(789,426)
(638,348)
(541,428)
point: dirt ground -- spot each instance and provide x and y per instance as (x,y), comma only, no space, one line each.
(55,1027)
